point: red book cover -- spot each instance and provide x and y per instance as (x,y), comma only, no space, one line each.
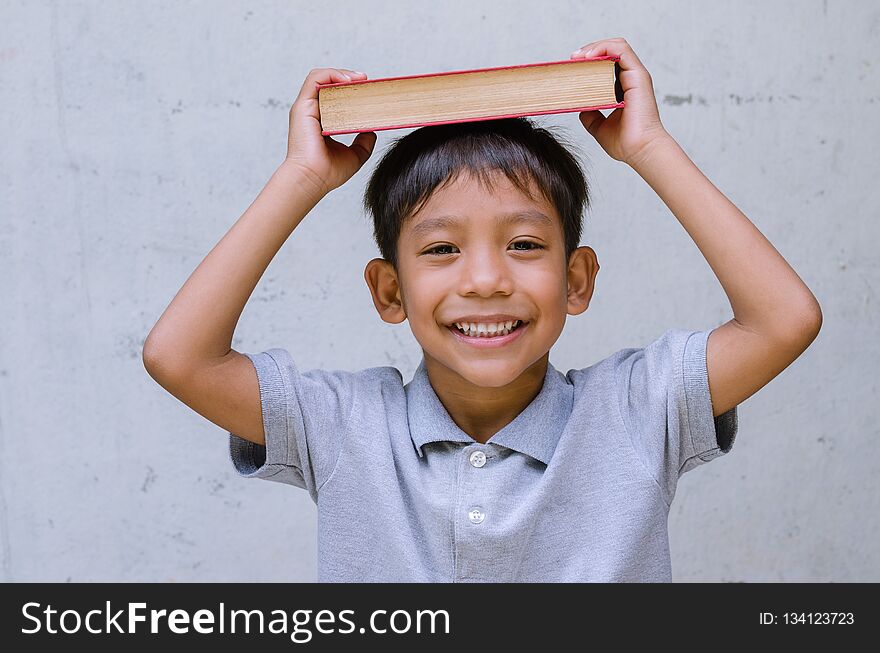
(617,87)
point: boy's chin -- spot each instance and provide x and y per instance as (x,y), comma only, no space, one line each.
(485,373)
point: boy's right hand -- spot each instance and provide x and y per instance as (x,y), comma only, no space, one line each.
(326,162)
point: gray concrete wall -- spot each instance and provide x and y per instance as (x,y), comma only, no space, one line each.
(135,134)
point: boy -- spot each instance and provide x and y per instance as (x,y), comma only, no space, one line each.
(489,465)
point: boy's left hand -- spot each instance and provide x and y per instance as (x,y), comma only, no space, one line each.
(627,133)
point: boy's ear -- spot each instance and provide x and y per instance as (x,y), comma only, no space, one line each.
(583,266)
(382,279)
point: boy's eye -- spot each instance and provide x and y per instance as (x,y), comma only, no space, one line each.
(436,251)
(527,242)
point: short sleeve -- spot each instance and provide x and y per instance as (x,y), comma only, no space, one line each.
(663,392)
(305,417)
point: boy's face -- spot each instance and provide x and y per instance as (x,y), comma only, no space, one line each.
(476,264)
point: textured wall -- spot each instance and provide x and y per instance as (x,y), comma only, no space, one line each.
(135,134)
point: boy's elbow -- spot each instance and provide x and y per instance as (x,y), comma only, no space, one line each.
(157,362)
(797,329)
(813,320)
(806,326)
(806,319)
(150,358)
(812,328)
(818,319)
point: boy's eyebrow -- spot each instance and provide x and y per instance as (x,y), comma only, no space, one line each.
(530,216)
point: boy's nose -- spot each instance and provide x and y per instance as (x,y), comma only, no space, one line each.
(484,274)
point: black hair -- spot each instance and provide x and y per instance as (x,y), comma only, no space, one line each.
(414,166)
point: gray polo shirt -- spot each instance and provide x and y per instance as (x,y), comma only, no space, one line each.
(576,488)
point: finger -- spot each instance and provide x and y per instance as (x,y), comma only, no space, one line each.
(307,101)
(614,47)
(633,73)
(354,74)
(591,120)
(581,51)
(613,44)
(362,145)
(309,90)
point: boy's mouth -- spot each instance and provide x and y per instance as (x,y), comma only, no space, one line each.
(488,335)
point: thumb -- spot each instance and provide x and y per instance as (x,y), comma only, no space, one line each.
(592,120)
(362,145)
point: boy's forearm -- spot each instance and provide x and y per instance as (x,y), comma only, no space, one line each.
(199,323)
(766,294)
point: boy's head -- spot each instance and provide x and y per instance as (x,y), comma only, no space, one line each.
(439,197)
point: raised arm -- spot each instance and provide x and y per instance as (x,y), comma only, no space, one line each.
(776,317)
(188,351)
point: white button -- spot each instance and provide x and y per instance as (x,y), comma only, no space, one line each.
(476,516)
(478,459)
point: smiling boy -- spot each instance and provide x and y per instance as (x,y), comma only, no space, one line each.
(511,298)
(490,464)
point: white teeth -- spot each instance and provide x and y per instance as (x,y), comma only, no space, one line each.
(487,330)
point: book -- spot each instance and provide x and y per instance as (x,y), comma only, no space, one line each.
(469,95)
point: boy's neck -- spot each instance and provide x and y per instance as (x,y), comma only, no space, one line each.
(479,411)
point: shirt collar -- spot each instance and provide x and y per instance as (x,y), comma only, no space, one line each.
(534,432)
